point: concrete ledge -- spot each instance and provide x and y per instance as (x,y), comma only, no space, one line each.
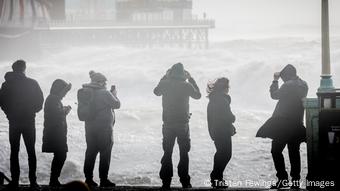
(147,188)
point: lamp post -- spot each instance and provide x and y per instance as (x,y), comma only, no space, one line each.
(326,83)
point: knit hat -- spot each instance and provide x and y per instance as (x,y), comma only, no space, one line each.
(19,66)
(97,77)
(177,72)
(288,72)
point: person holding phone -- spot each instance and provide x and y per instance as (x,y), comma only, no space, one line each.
(99,129)
(55,128)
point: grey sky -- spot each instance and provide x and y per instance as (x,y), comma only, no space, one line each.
(268,17)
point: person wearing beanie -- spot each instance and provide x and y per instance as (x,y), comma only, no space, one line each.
(55,128)
(176,87)
(285,127)
(99,129)
(21,99)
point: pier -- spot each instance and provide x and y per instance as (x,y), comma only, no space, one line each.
(140,23)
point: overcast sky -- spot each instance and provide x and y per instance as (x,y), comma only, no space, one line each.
(268,17)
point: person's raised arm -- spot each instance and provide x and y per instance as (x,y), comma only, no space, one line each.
(195,92)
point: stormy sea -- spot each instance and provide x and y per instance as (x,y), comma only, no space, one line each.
(137,150)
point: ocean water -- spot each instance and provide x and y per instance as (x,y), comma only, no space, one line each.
(136,154)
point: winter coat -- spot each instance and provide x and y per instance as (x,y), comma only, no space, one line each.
(175,98)
(21,97)
(220,117)
(104,105)
(55,126)
(286,123)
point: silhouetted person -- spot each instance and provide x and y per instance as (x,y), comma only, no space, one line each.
(21,99)
(99,129)
(175,92)
(285,126)
(55,128)
(220,124)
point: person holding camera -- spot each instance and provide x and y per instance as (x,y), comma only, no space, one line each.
(176,87)
(285,127)
(55,128)
(99,129)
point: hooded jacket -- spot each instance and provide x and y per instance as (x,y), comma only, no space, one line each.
(21,97)
(286,123)
(175,98)
(104,105)
(55,126)
(220,117)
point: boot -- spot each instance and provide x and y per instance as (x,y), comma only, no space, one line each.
(91,183)
(106,183)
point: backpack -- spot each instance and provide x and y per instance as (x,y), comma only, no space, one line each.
(86,107)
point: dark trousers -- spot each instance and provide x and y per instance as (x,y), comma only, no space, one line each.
(27,130)
(57,164)
(98,142)
(222,157)
(170,133)
(294,158)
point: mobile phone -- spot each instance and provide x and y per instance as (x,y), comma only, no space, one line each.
(113,88)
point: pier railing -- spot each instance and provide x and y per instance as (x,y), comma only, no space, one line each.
(205,23)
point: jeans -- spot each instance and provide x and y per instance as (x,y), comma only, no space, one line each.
(294,158)
(170,133)
(27,130)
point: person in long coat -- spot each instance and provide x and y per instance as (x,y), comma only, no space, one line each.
(221,128)
(285,127)
(55,128)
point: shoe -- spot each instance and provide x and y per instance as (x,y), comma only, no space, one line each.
(55,183)
(13,185)
(166,184)
(186,185)
(34,186)
(107,183)
(280,184)
(91,183)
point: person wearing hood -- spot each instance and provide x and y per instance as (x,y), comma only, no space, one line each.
(55,128)
(176,91)
(99,129)
(285,127)
(221,128)
(21,99)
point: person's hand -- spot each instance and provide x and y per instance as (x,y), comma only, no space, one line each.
(67,109)
(187,75)
(276,76)
(113,90)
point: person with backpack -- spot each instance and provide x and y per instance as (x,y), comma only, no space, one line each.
(221,128)
(55,128)
(96,107)
(176,91)
(21,99)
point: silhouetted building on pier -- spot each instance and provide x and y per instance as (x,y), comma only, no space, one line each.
(55,23)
